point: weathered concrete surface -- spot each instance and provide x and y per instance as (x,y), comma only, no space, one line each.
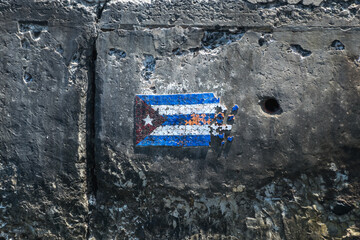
(70,71)
(45,52)
(274,181)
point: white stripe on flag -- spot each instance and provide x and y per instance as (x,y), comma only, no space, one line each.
(178,130)
(186,109)
(221,127)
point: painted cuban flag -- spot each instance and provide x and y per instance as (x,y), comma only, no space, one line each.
(175,120)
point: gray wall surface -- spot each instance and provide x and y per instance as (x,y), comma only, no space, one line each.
(69,74)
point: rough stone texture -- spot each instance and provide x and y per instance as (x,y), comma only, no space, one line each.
(45,51)
(69,167)
(273,181)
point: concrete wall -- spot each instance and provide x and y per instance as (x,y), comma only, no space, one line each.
(69,164)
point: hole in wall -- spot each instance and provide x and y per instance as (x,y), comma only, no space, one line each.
(296,48)
(265,39)
(262,41)
(27,77)
(270,105)
(34,27)
(25,26)
(37,33)
(214,39)
(117,53)
(341,208)
(337,45)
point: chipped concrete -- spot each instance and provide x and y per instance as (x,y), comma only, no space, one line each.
(70,71)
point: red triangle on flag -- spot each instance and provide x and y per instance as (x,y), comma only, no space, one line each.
(146,119)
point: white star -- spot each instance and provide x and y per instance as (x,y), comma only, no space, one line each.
(148,120)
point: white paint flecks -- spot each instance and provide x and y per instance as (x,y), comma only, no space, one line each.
(221,127)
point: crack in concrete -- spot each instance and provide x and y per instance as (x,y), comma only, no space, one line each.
(92,186)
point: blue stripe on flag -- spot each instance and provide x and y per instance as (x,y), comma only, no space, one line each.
(181,119)
(176,141)
(180,99)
